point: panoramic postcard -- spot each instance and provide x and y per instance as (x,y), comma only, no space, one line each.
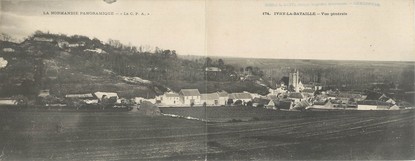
(207,80)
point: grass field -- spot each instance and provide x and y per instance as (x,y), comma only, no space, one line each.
(271,135)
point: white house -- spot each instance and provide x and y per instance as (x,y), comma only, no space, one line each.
(170,99)
(391,101)
(73,45)
(88,98)
(211,99)
(8,50)
(62,44)
(96,50)
(387,99)
(212,69)
(372,105)
(189,96)
(223,97)
(107,95)
(43,93)
(43,39)
(394,107)
(3,62)
(138,100)
(244,97)
(7,102)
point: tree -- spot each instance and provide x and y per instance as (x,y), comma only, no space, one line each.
(249,104)
(38,33)
(249,69)
(407,79)
(157,50)
(115,43)
(173,54)
(75,103)
(166,53)
(230,101)
(237,103)
(221,63)
(208,62)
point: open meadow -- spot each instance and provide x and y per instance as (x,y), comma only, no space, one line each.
(231,133)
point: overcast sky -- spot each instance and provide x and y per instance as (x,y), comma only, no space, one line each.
(381,30)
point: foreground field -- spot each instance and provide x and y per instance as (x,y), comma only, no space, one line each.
(236,134)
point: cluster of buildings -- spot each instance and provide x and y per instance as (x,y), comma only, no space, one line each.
(67,46)
(192,97)
(280,98)
(96,98)
(289,96)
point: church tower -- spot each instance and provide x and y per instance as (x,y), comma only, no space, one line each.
(294,80)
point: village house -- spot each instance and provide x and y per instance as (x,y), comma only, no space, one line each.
(223,98)
(394,107)
(8,50)
(296,96)
(283,104)
(151,100)
(260,102)
(210,99)
(322,105)
(372,105)
(349,97)
(212,69)
(308,91)
(189,96)
(138,100)
(73,45)
(43,39)
(96,50)
(318,87)
(88,98)
(387,99)
(330,96)
(244,97)
(106,95)
(62,44)
(7,102)
(273,97)
(170,99)
(277,91)
(43,93)
(254,95)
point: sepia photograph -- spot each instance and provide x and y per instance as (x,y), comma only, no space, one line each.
(207,80)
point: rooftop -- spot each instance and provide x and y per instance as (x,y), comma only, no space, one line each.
(209,96)
(223,94)
(86,95)
(240,96)
(296,95)
(171,95)
(190,92)
(372,102)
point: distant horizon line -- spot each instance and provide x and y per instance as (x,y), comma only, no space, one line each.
(315,59)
